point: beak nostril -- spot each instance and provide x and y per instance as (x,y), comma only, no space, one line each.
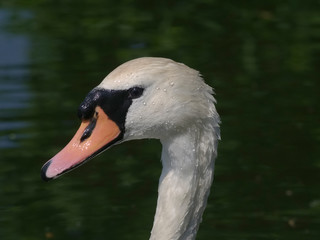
(88,131)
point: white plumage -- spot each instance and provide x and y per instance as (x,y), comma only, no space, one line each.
(178,108)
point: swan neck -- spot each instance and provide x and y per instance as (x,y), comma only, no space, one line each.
(188,163)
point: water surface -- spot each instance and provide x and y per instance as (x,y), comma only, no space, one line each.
(261,58)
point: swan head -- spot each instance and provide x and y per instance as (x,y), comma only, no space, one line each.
(143,98)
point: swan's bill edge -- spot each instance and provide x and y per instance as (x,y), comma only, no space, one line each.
(79,150)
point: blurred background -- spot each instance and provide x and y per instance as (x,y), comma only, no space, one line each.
(261,57)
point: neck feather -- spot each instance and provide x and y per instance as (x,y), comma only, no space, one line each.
(188,164)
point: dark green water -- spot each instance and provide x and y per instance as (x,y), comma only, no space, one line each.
(261,57)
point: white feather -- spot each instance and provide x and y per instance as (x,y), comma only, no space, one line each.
(178,108)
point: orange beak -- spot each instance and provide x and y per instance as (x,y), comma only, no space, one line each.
(92,138)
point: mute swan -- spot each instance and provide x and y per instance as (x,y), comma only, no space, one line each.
(153,98)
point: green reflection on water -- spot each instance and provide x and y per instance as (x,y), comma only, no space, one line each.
(262,59)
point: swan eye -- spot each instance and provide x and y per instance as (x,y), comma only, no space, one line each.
(135,92)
